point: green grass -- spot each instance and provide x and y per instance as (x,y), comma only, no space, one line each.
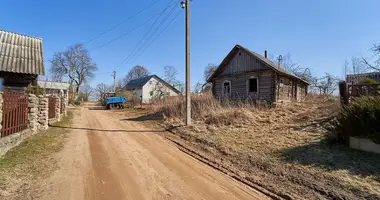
(32,159)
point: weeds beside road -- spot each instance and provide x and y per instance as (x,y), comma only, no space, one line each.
(285,150)
(24,166)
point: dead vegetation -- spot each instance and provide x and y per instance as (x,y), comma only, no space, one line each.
(285,149)
(23,167)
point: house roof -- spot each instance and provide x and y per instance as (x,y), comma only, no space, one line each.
(264,60)
(140,82)
(21,54)
(53,85)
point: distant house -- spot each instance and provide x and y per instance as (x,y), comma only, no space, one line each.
(246,75)
(52,87)
(151,87)
(356,78)
(21,60)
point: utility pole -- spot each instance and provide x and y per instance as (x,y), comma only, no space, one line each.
(186,4)
(114,81)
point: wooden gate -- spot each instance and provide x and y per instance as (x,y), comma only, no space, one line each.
(15,113)
(52,101)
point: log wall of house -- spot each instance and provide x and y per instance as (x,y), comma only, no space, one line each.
(239,88)
(243,62)
(290,89)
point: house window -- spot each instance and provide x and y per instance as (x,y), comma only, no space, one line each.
(252,84)
(226,87)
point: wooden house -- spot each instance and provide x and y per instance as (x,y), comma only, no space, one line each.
(21,60)
(246,75)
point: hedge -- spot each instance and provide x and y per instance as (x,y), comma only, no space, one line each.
(361,118)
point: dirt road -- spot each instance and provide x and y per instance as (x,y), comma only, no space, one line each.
(109,157)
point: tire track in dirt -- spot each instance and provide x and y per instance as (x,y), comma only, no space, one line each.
(106,183)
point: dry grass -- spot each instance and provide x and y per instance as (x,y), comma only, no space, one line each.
(24,166)
(283,149)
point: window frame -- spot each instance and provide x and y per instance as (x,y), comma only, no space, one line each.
(248,84)
(226,81)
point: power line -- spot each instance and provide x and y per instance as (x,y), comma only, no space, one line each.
(147,38)
(119,24)
(135,28)
(124,34)
(157,28)
(157,36)
(145,35)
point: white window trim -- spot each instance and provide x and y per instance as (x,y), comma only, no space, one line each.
(257,86)
(226,81)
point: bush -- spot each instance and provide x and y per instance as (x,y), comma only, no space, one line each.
(77,103)
(361,119)
(368,81)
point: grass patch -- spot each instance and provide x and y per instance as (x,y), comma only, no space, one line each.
(284,149)
(32,160)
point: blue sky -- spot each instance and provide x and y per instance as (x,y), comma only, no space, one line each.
(320,35)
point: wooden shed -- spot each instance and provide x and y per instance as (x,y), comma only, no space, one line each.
(21,60)
(246,75)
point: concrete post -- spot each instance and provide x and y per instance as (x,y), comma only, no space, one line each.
(43,112)
(33,104)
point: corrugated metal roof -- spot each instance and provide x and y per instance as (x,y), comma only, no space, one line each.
(21,54)
(266,61)
(53,85)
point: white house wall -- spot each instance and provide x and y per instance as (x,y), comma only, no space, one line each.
(150,87)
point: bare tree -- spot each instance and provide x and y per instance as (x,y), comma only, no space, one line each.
(137,71)
(209,71)
(295,69)
(74,64)
(374,65)
(159,91)
(101,89)
(325,85)
(198,88)
(86,92)
(180,86)
(355,65)
(170,74)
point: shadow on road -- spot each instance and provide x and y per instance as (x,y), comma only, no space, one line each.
(111,130)
(148,117)
(96,107)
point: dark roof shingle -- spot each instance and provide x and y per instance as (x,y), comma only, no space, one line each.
(140,82)
(21,54)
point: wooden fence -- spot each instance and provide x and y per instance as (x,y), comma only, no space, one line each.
(348,92)
(15,113)
(52,101)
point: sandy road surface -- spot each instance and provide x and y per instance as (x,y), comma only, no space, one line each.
(107,157)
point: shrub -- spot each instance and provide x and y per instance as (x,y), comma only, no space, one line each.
(77,103)
(368,81)
(361,119)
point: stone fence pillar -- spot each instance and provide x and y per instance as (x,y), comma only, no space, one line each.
(33,112)
(1,110)
(43,112)
(58,108)
(64,103)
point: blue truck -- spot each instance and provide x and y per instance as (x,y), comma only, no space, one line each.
(111,101)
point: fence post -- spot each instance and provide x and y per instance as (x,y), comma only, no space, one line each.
(58,108)
(43,109)
(343,91)
(33,112)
